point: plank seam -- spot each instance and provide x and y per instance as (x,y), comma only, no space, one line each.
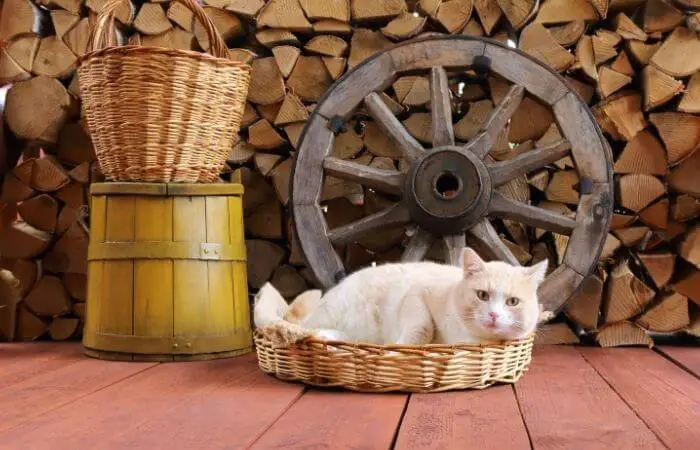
(674,361)
(395,438)
(75,399)
(522,415)
(282,412)
(624,400)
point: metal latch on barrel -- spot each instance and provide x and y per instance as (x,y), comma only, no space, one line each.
(210,252)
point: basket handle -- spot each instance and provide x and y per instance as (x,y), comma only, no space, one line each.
(104,32)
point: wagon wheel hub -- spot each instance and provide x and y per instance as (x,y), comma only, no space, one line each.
(443,189)
(447,190)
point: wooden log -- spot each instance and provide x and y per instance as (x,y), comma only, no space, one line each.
(265,221)
(643,154)
(76,39)
(37,109)
(561,187)
(151,20)
(124,13)
(560,11)
(26,271)
(23,241)
(281,176)
(75,145)
(624,295)
(40,212)
(405,26)
(689,249)
(48,297)
(330,26)
(688,284)
(659,16)
(283,14)
(288,281)
(181,15)
(309,78)
(680,133)
(262,135)
(21,17)
(642,52)
(174,38)
(10,70)
(659,266)
(228,25)
(631,237)
(584,307)
(624,111)
(518,12)
(639,190)
(659,88)
(530,121)
(23,49)
(684,178)
(76,285)
(273,37)
(610,81)
(43,174)
(622,64)
(555,334)
(14,190)
(670,314)
(291,111)
(286,57)
(63,328)
(536,40)
(335,66)
(364,44)
(625,27)
(29,326)
(266,82)
(264,258)
(690,103)
(10,297)
(585,58)
(623,333)
(326,45)
(685,207)
(679,55)
(368,10)
(604,45)
(69,254)
(330,9)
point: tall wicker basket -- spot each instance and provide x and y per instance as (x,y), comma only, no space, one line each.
(161,115)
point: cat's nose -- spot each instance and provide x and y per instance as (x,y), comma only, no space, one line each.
(493,315)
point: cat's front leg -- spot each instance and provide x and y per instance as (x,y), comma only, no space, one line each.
(415,322)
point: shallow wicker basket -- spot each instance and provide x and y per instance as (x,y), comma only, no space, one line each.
(161,115)
(377,368)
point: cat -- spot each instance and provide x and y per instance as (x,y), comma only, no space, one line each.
(414,304)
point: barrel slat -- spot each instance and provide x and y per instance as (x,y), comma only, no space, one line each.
(220,275)
(153,280)
(240,276)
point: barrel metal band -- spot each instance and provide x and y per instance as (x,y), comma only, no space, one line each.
(183,345)
(102,251)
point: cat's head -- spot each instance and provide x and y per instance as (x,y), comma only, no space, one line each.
(496,300)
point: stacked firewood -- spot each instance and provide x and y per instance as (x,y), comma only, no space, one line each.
(633,61)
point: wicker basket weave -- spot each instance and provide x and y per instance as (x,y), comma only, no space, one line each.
(377,368)
(161,115)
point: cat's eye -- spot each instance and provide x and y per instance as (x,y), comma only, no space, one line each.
(483,295)
(513,301)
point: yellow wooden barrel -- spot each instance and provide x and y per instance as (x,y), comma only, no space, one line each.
(167,272)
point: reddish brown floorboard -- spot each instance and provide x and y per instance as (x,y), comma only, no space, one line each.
(566,404)
(688,357)
(482,420)
(337,420)
(19,362)
(666,397)
(214,404)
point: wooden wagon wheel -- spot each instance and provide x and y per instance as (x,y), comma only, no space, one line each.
(450,189)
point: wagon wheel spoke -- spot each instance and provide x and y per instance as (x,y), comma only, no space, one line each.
(503,172)
(386,120)
(393,216)
(487,237)
(484,141)
(506,208)
(384,180)
(453,247)
(443,132)
(418,246)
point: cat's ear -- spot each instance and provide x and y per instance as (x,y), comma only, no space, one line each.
(538,272)
(471,262)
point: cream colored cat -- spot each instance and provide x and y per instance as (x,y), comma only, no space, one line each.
(417,303)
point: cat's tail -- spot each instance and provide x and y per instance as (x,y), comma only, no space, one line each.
(269,306)
(269,316)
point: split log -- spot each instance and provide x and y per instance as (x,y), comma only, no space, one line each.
(75,145)
(659,88)
(670,314)
(610,81)
(689,249)
(309,78)
(639,190)
(23,50)
(644,154)
(329,9)
(291,111)
(40,212)
(364,44)
(21,17)
(538,42)
(685,207)
(49,297)
(281,176)
(14,190)
(286,57)
(23,241)
(559,11)
(264,258)
(266,221)
(656,215)
(43,175)
(688,284)
(174,38)
(555,334)
(77,37)
(62,328)
(623,333)
(288,281)
(584,307)
(680,133)
(181,15)
(29,326)
(38,108)
(625,295)
(272,38)
(405,26)
(227,24)
(659,266)
(659,16)
(283,14)
(518,12)
(69,254)
(262,135)
(679,55)
(684,178)
(151,20)
(266,82)
(76,285)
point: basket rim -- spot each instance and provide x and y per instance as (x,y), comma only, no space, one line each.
(259,335)
(146,50)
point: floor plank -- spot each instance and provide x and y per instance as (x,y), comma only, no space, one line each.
(337,420)
(566,404)
(665,396)
(688,357)
(487,419)
(43,393)
(207,405)
(19,362)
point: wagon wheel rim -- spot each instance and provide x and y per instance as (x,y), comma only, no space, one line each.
(449,192)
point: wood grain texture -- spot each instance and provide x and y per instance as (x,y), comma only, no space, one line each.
(19,362)
(487,419)
(663,395)
(207,405)
(688,357)
(339,420)
(566,404)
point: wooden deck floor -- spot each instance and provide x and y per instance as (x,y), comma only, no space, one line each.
(51,397)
